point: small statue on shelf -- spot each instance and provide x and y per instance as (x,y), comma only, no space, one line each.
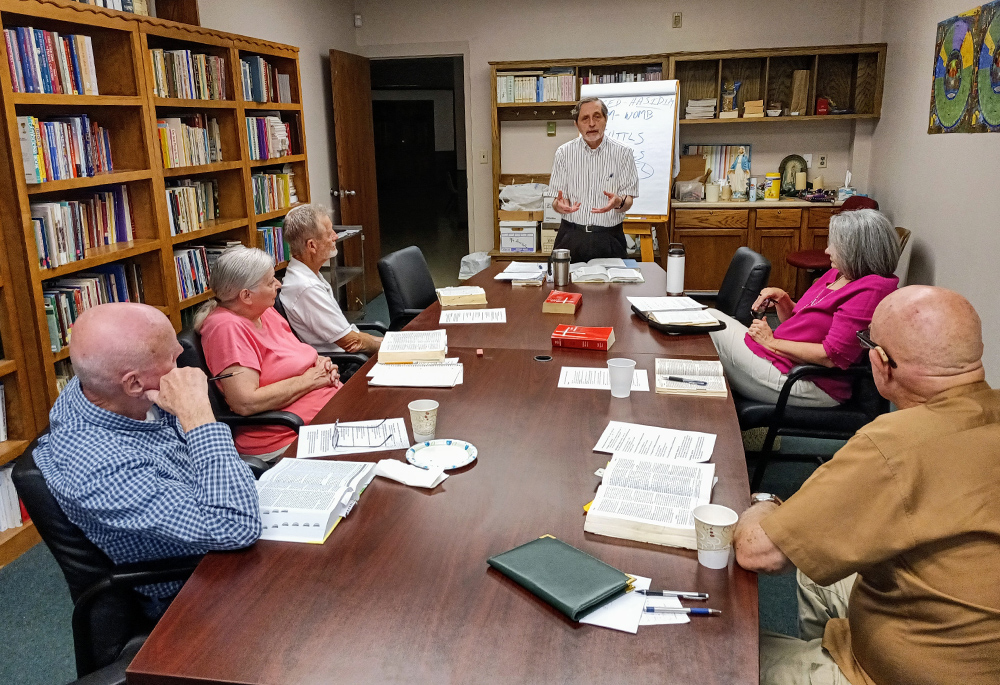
(739,174)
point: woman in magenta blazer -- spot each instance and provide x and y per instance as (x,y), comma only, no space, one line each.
(821,327)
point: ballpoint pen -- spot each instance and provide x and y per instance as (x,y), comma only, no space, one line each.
(685,380)
(685,610)
(225,375)
(672,593)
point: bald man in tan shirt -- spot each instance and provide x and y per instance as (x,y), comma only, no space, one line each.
(911,505)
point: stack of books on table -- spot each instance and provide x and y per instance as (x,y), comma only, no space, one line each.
(415,359)
(753,109)
(701,109)
(303,500)
(400,347)
(649,499)
(461,295)
(690,377)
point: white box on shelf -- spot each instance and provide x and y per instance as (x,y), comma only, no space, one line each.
(518,237)
(551,216)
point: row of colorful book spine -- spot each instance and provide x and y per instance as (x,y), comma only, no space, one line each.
(271,239)
(187,75)
(189,141)
(63,148)
(194,266)
(46,62)
(66,229)
(67,298)
(268,137)
(133,6)
(263,83)
(191,204)
(272,191)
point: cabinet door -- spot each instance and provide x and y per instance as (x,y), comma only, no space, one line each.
(775,244)
(708,253)
(711,218)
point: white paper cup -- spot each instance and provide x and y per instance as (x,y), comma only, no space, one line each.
(711,192)
(714,525)
(423,419)
(621,372)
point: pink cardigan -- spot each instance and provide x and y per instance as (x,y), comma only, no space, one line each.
(830,317)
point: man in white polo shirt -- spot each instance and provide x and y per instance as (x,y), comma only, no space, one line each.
(313,311)
(594,181)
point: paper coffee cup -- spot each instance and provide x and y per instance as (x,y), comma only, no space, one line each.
(423,419)
(714,526)
(620,372)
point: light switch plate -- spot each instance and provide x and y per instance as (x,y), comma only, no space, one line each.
(484,157)
(809,161)
(677,20)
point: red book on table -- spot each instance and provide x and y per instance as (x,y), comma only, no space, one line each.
(583,337)
(559,302)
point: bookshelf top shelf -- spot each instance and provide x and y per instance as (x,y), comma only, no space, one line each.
(194,104)
(781,119)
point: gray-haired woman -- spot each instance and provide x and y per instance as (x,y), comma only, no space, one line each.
(821,328)
(242,334)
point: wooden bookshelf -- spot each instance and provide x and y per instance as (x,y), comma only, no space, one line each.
(128,108)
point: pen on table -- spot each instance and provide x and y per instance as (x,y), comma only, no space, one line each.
(685,380)
(225,375)
(673,593)
(685,610)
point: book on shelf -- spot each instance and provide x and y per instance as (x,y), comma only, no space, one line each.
(302,500)
(3,413)
(553,85)
(64,373)
(583,337)
(134,6)
(262,82)
(700,109)
(191,203)
(47,62)
(192,271)
(729,115)
(187,75)
(189,141)
(63,148)
(10,505)
(271,239)
(273,190)
(413,346)
(690,377)
(559,302)
(460,295)
(268,137)
(647,499)
(65,299)
(649,73)
(65,230)
(215,249)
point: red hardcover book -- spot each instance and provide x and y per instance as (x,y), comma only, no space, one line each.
(559,302)
(50,57)
(583,337)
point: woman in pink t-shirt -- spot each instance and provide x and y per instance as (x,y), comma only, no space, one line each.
(241,333)
(821,327)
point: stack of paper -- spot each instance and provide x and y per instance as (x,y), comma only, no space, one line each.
(414,346)
(417,375)
(690,377)
(701,109)
(653,441)
(597,378)
(473,316)
(302,501)
(336,439)
(523,271)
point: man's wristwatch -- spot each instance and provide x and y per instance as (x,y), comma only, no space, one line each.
(764,497)
(622,204)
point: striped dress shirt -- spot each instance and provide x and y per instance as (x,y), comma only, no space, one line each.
(583,174)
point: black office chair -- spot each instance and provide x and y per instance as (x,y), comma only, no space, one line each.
(837,423)
(347,362)
(109,625)
(746,276)
(408,285)
(194,356)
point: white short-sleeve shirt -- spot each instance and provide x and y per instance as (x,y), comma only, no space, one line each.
(313,311)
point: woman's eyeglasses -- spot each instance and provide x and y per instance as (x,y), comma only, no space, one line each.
(865,338)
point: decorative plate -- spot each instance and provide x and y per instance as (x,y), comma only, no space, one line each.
(790,165)
(442,454)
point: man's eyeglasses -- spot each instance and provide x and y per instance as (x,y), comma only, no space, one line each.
(865,338)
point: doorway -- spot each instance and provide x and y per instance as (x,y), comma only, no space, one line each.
(418,112)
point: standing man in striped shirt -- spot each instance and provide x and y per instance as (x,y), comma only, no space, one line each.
(594,181)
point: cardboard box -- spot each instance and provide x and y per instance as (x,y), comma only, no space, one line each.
(519,237)
(536,215)
(549,231)
(550,215)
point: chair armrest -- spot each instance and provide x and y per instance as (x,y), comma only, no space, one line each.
(342,359)
(258,466)
(374,326)
(802,371)
(264,418)
(403,318)
(114,673)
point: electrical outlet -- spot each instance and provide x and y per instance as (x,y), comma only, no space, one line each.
(677,20)
(484,157)
(822,162)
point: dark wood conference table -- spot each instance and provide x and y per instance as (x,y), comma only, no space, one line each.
(401,591)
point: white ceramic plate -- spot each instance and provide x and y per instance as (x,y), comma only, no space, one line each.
(442,454)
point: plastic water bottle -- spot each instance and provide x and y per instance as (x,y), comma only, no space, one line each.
(675,269)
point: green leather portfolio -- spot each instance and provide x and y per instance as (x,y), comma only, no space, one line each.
(572,581)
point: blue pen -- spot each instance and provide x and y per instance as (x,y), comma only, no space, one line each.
(685,610)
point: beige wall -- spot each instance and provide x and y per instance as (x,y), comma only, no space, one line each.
(942,187)
(313,26)
(541,29)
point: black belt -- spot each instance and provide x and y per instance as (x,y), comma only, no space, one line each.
(591,228)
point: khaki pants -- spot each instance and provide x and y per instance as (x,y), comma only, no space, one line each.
(788,660)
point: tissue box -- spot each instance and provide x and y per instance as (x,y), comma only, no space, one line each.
(518,237)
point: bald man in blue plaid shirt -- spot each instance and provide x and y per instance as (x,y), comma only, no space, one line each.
(134,455)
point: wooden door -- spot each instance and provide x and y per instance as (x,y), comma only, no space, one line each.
(357,192)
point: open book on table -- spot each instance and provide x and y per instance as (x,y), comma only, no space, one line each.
(690,377)
(302,501)
(650,500)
